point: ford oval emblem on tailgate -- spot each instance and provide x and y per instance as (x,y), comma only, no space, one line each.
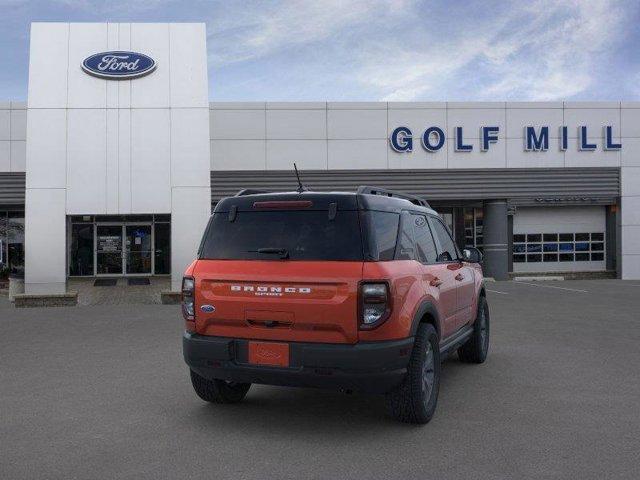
(208,308)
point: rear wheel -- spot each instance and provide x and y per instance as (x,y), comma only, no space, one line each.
(477,347)
(218,391)
(415,399)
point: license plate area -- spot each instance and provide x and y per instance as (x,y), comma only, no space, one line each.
(269,353)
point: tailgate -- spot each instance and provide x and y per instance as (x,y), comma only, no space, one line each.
(304,301)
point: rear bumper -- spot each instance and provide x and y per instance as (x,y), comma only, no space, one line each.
(374,367)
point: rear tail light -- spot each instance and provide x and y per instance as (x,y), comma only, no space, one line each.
(375,304)
(188,302)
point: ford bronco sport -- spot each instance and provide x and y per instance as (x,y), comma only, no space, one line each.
(362,291)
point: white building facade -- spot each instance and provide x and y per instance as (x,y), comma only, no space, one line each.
(121,174)
(114,147)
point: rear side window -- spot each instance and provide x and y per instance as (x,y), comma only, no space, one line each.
(424,240)
(405,250)
(303,234)
(383,228)
(447,251)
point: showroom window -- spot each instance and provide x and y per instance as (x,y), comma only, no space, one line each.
(473,227)
(558,247)
(11,242)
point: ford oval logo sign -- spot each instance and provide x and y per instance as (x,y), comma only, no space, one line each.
(208,308)
(118,65)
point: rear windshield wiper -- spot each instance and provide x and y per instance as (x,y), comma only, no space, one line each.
(283,252)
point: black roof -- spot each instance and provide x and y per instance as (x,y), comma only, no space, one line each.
(245,200)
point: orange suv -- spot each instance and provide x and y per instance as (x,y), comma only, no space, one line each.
(362,291)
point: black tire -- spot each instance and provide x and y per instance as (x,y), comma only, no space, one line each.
(477,347)
(415,399)
(218,391)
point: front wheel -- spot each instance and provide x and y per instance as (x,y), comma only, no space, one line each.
(415,399)
(477,347)
(218,391)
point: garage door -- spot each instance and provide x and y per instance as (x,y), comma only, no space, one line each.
(559,239)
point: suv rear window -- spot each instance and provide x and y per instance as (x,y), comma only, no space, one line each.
(304,235)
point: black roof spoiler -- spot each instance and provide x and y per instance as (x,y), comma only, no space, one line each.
(363,189)
(368,190)
(249,191)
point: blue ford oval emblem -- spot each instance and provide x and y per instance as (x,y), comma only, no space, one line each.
(208,308)
(118,65)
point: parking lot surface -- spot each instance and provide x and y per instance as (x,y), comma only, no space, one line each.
(102,392)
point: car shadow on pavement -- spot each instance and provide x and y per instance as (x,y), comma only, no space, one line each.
(298,411)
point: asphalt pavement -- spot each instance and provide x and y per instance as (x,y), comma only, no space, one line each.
(102,392)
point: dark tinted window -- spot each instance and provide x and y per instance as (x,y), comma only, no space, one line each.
(81,249)
(424,240)
(384,232)
(305,235)
(406,250)
(446,248)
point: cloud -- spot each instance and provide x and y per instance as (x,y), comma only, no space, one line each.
(408,50)
(263,28)
(106,7)
(548,50)
(556,57)
(386,49)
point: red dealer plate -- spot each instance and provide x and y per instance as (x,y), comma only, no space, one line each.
(268,353)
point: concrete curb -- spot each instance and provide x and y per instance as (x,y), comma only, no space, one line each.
(69,299)
(170,298)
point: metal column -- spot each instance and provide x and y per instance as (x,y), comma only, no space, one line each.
(496,254)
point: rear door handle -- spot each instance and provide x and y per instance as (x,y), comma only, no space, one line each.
(459,277)
(436,282)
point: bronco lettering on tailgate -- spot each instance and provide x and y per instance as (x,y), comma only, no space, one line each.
(269,290)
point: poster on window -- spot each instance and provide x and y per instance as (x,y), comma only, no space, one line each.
(109,243)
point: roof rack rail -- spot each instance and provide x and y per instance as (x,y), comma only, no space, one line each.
(366,189)
(249,191)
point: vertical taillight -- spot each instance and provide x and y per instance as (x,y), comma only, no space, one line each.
(188,301)
(375,304)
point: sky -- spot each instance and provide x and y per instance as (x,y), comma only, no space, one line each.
(377,50)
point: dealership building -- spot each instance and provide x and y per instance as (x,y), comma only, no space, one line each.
(113,164)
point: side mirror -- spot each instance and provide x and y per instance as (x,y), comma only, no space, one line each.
(472,255)
(444,257)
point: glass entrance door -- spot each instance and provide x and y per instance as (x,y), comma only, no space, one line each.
(109,250)
(139,249)
(117,245)
(162,241)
